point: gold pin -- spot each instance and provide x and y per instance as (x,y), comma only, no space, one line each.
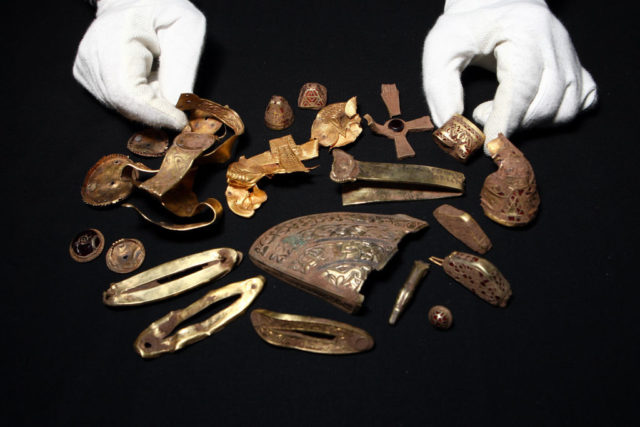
(418,272)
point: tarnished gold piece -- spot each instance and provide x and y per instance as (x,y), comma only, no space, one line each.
(149,143)
(385,182)
(418,272)
(396,128)
(125,255)
(302,333)
(330,255)
(156,341)
(337,124)
(113,177)
(478,275)
(459,137)
(278,114)
(87,245)
(107,182)
(509,196)
(463,227)
(284,156)
(172,278)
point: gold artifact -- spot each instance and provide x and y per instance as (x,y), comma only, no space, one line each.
(459,137)
(463,227)
(156,341)
(440,317)
(125,255)
(478,275)
(330,255)
(87,245)
(392,182)
(396,128)
(284,156)
(312,334)
(278,115)
(337,124)
(419,270)
(313,96)
(149,143)
(172,278)
(107,182)
(113,178)
(509,196)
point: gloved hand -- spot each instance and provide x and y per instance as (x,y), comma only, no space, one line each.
(539,74)
(117,57)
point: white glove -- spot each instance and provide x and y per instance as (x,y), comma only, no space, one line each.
(539,74)
(115,60)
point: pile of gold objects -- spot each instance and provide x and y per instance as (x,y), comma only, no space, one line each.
(329,255)
(113,178)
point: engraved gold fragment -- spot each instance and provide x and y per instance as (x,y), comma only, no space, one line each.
(172,278)
(337,124)
(312,334)
(156,341)
(478,275)
(331,254)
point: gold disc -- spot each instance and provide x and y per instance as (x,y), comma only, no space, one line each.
(104,184)
(125,255)
(87,245)
(149,143)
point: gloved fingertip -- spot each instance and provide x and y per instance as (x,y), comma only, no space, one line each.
(490,133)
(590,100)
(482,111)
(589,91)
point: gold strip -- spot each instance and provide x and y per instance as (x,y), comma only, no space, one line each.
(160,282)
(307,333)
(392,181)
(358,195)
(410,174)
(154,341)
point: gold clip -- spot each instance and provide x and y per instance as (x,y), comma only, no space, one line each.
(154,341)
(162,281)
(312,334)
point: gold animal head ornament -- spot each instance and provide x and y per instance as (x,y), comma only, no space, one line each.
(337,124)
(509,196)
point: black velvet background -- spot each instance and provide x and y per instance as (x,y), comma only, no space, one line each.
(564,352)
